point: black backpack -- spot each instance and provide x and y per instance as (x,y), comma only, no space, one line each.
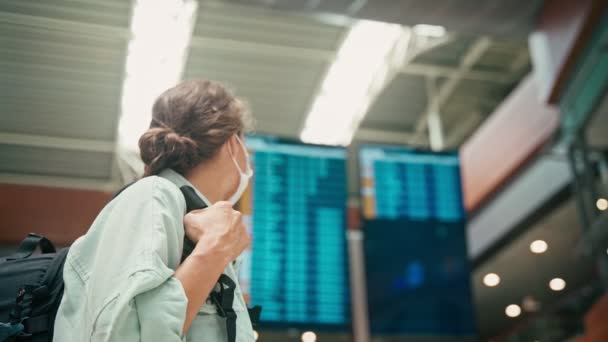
(31,287)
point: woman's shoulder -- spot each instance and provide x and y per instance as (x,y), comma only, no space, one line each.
(156,188)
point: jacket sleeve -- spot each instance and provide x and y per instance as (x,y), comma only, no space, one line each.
(149,304)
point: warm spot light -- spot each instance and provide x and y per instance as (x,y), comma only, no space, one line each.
(557,284)
(513,310)
(491,280)
(309,336)
(538,247)
(602,204)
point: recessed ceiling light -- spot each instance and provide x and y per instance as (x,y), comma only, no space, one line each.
(557,284)
(513,310)
(602,204)
(309,336)
(491,279)
(539,246)
(256,335)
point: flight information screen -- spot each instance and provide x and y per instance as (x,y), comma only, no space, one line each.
(296,210)
(418,279)
(417,270)
(397,182)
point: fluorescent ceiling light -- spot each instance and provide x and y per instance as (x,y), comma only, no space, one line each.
(352,82)
(160,35)
(429,30)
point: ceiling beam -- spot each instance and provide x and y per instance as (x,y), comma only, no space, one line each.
(473,54)
(431,70)
(262,49)
(106,185)
(74,144)
(420,45)
(382,136)
(434,120)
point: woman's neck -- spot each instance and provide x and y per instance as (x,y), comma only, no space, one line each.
(210,180)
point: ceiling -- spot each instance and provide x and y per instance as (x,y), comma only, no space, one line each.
(276,61)
(517,265)
(62,69)
(514,18)
(466,76)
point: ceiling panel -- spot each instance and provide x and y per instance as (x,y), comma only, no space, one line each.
(274,60)
(448,54)
(399,106)
(501,59)
(233,22)
(26,160)
(474,98)
(61,74)
(114,13)
(514,18)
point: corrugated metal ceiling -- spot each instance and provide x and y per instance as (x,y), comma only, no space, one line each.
(62,68)
(274,60)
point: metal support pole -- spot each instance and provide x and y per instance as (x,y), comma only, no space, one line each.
(578,186)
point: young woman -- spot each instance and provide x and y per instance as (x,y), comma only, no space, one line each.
(124,279)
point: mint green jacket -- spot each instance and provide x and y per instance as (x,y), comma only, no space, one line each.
(119,283)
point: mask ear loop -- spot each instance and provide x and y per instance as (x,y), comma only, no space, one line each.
(249,171)
(234,157)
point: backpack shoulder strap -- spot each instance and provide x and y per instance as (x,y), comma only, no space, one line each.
(193,202)
(30,243)
(225,298)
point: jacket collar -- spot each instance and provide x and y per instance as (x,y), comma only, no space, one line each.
(180,181)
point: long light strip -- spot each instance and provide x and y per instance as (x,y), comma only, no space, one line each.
(161,32)
(352,82)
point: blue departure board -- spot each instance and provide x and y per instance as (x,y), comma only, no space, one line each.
(417,270)
(418,279)
(397,182)
(297,208)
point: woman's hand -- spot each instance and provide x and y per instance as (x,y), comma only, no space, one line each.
(220,237)
(218,230)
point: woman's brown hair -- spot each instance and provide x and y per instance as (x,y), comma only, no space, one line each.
(190,122)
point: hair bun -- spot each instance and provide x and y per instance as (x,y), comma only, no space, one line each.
(162,147)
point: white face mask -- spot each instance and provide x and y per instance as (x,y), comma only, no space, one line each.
(244,176)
